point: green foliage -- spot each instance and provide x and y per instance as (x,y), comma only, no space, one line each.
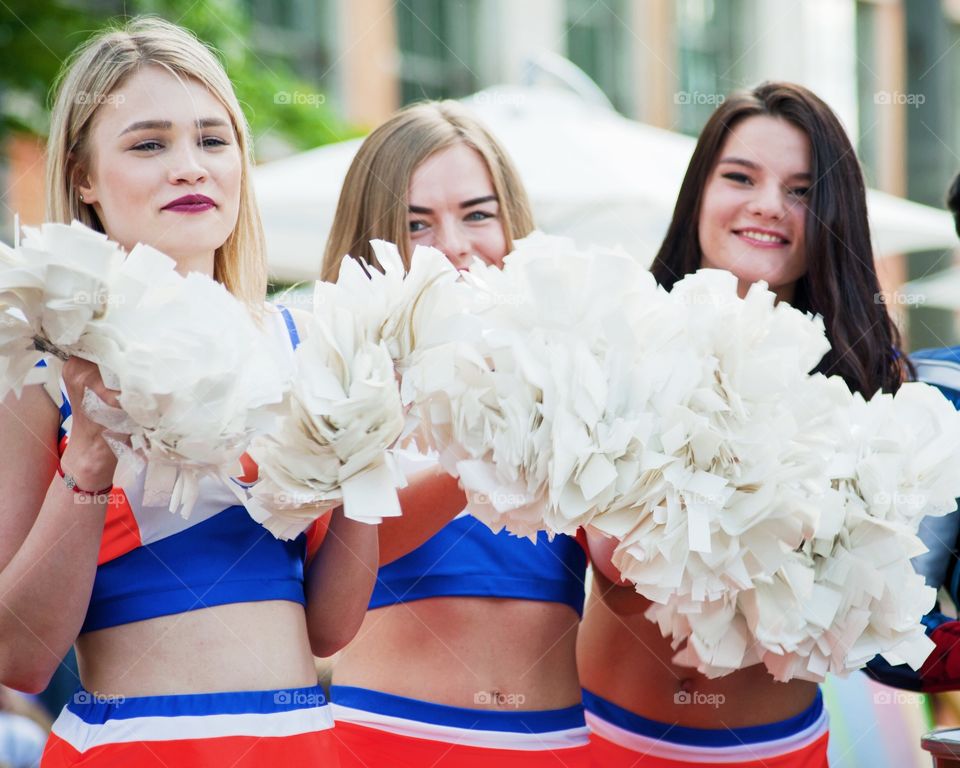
(34,43)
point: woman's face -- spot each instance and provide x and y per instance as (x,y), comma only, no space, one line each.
(164,168)
(453,207)
(753,211)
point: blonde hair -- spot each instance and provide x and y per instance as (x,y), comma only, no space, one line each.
(373,201)
(101,66)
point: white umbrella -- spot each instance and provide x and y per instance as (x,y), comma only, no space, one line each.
(591,174)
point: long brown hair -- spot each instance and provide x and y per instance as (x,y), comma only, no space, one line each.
(373,201)
(841,282)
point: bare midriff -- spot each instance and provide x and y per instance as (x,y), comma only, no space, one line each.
(623,658)
(237,647)
(478,653)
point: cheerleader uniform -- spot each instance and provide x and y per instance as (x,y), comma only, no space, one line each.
(622,739)
(154,563)
(465,559)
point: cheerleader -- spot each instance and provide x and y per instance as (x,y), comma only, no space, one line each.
(773,192)
(195,638)
(466,657)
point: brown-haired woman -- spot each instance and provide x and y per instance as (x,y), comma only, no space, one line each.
(773,192)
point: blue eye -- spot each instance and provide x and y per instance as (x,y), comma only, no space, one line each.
(417,226)
(148,146)
(478,216)
(213,141)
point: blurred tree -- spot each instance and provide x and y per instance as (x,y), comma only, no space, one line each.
(33,44)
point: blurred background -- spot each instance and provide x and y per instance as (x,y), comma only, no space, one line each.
(312,72)
(577,73)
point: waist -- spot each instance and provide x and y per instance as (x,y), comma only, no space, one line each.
(645,681)
(235,647)
(467,652)
(667,740)
(535,730)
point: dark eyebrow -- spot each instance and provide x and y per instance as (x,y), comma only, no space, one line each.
(465,204)
(753,166)
(166,125)
(478,201)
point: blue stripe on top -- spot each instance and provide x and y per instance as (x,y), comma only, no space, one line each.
(291,325)
(466,559)
(703,737)
(228,558)
(96,709)
(514,721)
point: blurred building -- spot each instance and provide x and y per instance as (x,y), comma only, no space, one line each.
(888,68)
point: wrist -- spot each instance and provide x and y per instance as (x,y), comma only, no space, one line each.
(88,471)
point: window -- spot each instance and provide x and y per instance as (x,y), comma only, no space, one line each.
(439,48)
(714,42)
(599,41)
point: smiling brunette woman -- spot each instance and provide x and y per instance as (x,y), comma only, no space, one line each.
(773,192)
(194,637)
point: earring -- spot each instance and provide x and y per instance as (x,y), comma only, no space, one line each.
(81,198)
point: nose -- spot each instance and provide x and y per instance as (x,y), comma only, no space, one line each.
(186,165)
(454,243)
(769,201)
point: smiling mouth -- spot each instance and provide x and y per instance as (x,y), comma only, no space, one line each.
(758,237)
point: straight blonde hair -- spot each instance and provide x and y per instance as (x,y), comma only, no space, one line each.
(373,201)
(96,70)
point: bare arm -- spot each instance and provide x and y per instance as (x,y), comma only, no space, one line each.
(430,501)
(50,535)
(339,583)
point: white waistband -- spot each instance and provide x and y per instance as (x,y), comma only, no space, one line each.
(530,742)
(667,750)
(83,735)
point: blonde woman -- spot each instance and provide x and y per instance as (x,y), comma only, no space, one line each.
(194,638)
(467,654)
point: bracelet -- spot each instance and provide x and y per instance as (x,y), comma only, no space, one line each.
(71,482)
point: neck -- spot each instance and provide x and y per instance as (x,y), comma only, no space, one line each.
(196,262)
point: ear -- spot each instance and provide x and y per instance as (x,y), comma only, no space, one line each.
(84,185)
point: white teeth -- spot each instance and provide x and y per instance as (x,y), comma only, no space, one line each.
(762,237)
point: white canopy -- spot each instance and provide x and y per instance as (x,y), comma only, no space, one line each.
(591,174)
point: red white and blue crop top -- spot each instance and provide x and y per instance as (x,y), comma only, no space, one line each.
(466,559)
(154,563)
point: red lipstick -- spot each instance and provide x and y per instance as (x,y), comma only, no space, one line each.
(190,204)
